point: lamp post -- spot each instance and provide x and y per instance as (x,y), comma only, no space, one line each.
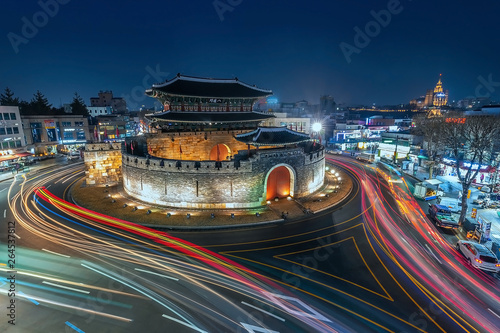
(396,150)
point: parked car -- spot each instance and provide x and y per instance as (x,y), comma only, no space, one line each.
(74,155)
(479,256)
(442,217)
(334,151)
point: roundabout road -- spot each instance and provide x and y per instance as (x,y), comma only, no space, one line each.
(374,264)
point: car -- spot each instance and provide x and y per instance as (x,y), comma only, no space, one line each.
(334,151)
(479,256)
(442,216)
(74,155)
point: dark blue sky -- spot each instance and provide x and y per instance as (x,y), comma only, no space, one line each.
(291,47)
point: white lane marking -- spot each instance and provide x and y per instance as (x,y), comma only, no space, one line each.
(264,311)
(165,276)
(288,300)
(3,189)
(64,287)
(256,329)
(62,255)
(130,285)
(4,213)
(490,310)
(80,309)
(428,248)
(183,323)
(47,187)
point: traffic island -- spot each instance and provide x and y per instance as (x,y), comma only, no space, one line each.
(113,201)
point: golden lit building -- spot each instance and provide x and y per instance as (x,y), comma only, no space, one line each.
(440,97)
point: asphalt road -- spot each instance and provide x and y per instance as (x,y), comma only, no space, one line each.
(374,264)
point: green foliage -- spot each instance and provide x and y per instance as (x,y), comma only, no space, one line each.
(78,106)
(8,99)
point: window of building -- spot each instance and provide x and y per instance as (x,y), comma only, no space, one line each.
(79,123)
(16,130)
(18,143)
(13,116)
(2,130)
(66,123)
(9,130)
(80,135)
(37,135)
(1,116)
(36,125)
(68,136)
(5,145)
(6,116)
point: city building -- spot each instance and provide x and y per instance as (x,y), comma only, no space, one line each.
(210,152)
(12,141)
(282,119)
(57,133)
(440,97)
(118,104)
(95,111)
(327,104)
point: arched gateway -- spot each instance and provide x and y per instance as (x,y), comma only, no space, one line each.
(279,183)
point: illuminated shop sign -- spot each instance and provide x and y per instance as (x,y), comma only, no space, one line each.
(475,166)
(455,120)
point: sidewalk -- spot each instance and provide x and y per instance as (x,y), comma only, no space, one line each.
(9,175)
(451,188)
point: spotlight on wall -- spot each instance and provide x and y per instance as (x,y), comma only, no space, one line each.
(212,215)
(134,209)
(125,205)
(188,215)
(113,201)
(232,215)
(168,214)
(148,212)
(257,214)
(268,202)
(289,198)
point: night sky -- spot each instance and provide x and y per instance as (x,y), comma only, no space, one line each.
(290,47)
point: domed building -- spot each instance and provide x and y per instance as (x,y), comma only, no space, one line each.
(209,151)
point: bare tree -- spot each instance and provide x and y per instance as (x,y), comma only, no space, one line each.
(430,129)
(471,141)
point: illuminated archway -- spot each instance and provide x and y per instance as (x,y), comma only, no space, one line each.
(280,182)
(219,152)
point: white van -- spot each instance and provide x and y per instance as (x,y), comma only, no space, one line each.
(452,203)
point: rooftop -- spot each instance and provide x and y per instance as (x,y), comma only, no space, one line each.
(182,85)
(210,117)
(272,136)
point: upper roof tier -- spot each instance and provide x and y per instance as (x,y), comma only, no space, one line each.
(182,85)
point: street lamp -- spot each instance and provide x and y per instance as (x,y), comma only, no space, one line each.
(316,127)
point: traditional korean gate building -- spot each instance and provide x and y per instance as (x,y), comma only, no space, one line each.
(209,151)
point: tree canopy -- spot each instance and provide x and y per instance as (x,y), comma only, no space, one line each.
(8,99)
(78,105)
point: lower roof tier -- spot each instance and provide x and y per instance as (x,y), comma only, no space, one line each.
(209,117)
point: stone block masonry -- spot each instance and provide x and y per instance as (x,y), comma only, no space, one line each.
(103,163)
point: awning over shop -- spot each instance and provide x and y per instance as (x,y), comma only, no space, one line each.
(433,181)
(14,156)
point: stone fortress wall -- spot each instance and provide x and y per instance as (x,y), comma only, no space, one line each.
(195,182)
(102,163)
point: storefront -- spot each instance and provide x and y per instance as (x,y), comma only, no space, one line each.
(485,175)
